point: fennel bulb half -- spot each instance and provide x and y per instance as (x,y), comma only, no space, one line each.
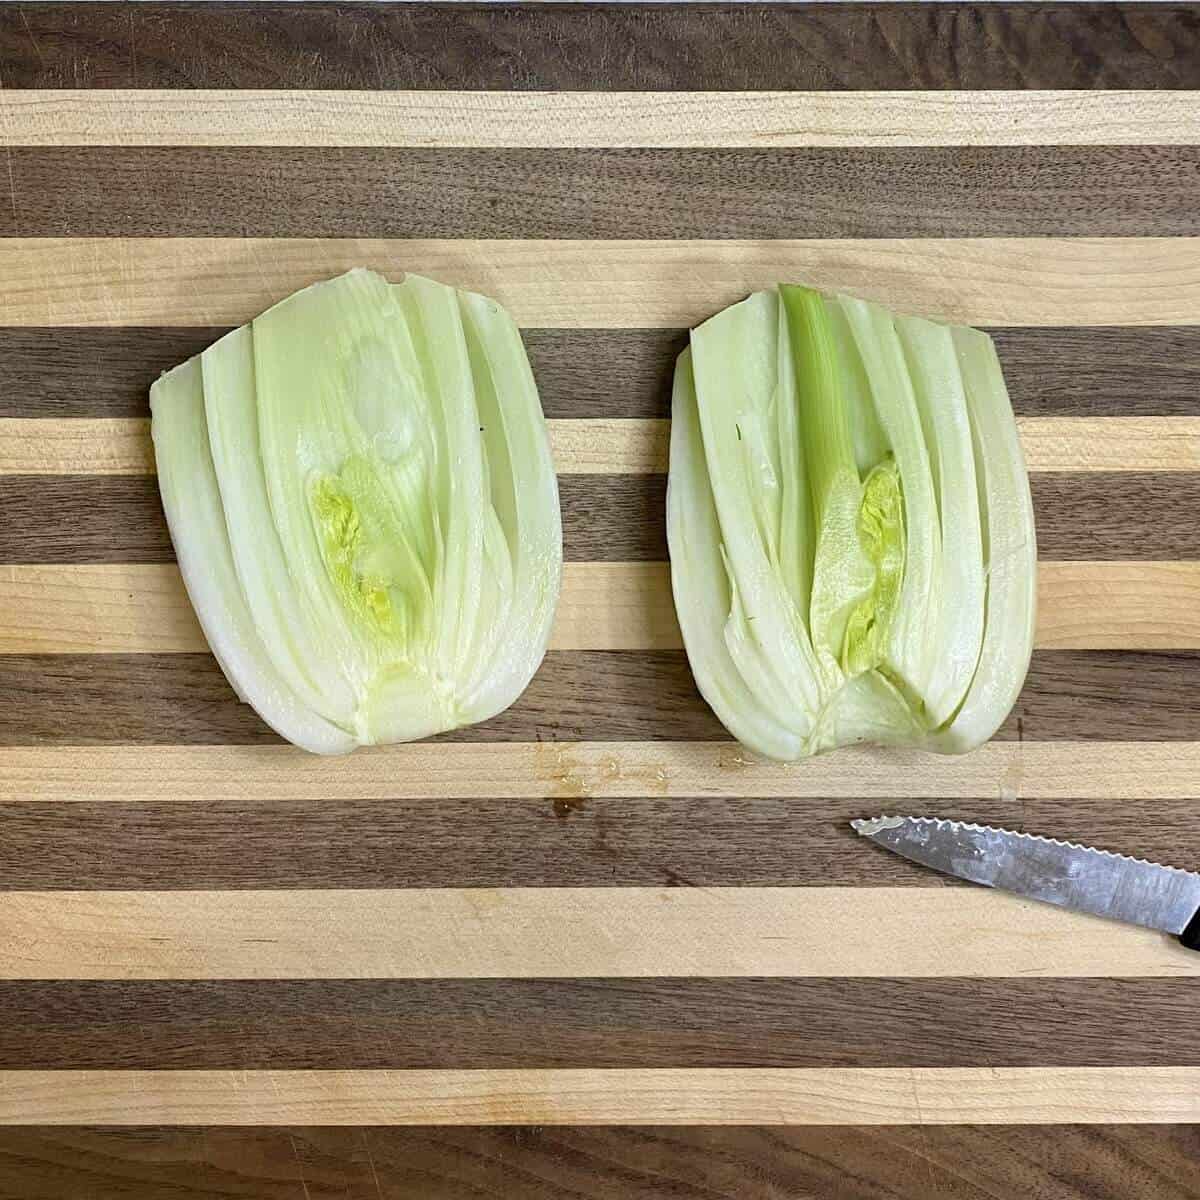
(853,555)
(359,487)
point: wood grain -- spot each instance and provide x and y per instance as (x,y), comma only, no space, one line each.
(489,1024)
(123,608)
(576,695)
(1097,516)
(1082,372)
(82,372)
(538,842)
(802,1162)
(88,446)
(684,1096)
(610,120)
(751,193)
(1138,444)
(572,283)
(184,699)
(119,519)
(615,373)
(579,771)
(613,446)
(1118,515)
(143,608)
(608,446)
(599,47)
(519,933)
(57,371)
(1074,598)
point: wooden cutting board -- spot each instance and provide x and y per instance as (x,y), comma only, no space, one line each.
(588,949)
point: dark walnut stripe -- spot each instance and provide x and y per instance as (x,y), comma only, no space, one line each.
(949,1162)
(1093,191)
(1138,515)
(596,1023)
(1065,372)
(116,519)
(1101,372)
(480,842)
(612,518)
(69,372)
(183,699)
(83,372)
(596,47)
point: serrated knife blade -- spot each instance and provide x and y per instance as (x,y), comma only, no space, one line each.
(1054,872)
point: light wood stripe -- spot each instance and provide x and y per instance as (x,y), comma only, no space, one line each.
(608,446)
(121,446)
(609,284)
(1111,443)
(925,1096)
(52,609)
(79,446)
(582,770)
(1118,606)
(448,933)
(598,119)
(611,446)
(143,608)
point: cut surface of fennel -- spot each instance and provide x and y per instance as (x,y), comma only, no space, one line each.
(852,543)
(380,466)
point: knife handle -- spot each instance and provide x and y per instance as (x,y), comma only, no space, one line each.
(1190,937)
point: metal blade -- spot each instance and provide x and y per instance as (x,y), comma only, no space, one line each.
(1093,881)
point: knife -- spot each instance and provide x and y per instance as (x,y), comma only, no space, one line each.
(1063,873)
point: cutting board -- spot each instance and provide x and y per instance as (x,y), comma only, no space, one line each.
(589,949)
